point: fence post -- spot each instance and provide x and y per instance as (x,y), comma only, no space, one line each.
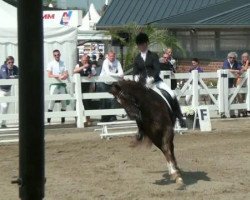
(248,90)
(79,106)
(223,91)
(166,76)
(195,89)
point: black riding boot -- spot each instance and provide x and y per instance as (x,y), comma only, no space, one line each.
(175,106)
(177,109)
(63,118)
(49,119)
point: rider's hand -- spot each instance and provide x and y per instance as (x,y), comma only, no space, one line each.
(149,81)
(136,78)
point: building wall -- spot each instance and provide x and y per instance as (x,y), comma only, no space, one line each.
(213,44)
(208,66)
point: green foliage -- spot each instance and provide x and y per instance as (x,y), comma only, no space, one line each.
(159,39)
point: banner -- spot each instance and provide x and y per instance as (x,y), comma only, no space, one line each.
(54,18)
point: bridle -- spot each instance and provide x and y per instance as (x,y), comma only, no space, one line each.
(130,106)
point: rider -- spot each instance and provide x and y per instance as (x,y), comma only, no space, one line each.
(146,70)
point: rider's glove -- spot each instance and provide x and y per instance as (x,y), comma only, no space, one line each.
(149,81)
(136,78)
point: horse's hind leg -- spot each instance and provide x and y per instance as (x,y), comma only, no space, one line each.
(168,151)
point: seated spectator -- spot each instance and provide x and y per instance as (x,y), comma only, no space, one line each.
(233,66)
(110,67)
(7,71)
(195,66)
(84,68)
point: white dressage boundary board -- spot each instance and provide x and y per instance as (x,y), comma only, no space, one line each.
(204,118)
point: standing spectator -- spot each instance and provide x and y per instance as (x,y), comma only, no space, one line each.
(169,51)
(195,66)
(110,67)
(100,59)
(166,65)
(233,66)
(84,69)
(94,61)
(8,71)
(96,70)
(57,69)
(245,64)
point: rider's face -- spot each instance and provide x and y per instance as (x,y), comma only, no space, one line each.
(143,47)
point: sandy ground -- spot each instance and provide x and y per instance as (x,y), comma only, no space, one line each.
(79,165)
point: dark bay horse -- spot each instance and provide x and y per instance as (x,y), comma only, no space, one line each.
(154,119)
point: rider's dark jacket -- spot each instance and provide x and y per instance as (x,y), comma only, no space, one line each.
(147,68)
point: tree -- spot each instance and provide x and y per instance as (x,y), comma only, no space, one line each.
(159,40)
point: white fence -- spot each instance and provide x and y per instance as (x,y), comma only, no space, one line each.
(219,98)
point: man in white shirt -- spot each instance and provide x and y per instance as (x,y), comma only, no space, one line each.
(110,67)
(57,69)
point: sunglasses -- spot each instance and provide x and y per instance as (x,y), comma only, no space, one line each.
(56,55)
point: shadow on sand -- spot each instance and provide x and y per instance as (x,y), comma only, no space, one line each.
(189,178)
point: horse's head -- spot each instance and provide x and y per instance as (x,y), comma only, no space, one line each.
(125,95)
(121,93)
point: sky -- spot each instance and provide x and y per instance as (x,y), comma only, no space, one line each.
(83,3)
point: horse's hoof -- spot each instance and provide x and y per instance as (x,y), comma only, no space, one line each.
(181,186)
(134,143)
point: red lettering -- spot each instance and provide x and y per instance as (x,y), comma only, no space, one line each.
(49,16)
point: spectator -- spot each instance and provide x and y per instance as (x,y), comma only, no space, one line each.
(233,66)
(110,67)
(245,64)
(57,69)
(96,70)
(84,68)
(100,59)
(94,61)
(8,71)
(195,66)
(166,65)
(169,51)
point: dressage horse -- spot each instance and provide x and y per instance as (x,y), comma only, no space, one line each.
(153,116)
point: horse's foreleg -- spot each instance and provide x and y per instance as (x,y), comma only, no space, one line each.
(168,151)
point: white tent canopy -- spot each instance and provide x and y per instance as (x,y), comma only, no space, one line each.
(61,37)
(90,19)
(86,31)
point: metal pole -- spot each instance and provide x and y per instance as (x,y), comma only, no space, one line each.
(31,100)
(122,55)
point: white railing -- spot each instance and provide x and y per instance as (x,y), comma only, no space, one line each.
(221,98)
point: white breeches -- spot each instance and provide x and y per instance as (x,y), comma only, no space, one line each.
(164,86)
(4,106)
